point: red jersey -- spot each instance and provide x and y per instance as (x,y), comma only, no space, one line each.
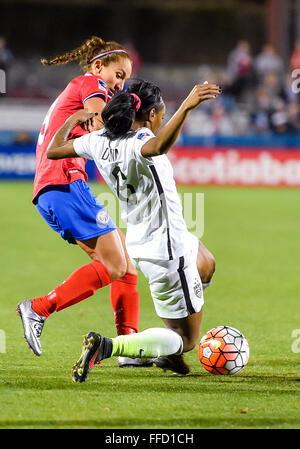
(64,171)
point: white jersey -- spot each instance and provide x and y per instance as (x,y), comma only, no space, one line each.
(150,204)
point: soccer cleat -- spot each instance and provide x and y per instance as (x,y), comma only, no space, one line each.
(95,348)
(33,325)
(127,362)
(173,363)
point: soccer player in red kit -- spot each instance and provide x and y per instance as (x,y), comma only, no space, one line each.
(63,198)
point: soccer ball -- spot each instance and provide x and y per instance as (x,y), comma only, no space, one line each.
(223,350)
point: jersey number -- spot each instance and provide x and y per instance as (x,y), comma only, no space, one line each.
(46,123)
(122,186)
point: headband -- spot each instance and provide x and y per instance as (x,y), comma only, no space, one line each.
(136,102)
(101,55)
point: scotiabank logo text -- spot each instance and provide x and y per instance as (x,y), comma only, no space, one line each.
(236,167)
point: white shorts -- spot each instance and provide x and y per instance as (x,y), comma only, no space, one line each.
(175,285)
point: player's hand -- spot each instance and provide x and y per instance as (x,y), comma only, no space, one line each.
(84,119)
(200,93)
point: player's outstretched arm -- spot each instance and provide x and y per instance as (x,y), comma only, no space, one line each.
(59,146)
(170,132)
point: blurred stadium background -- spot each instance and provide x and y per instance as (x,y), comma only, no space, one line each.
(250,47)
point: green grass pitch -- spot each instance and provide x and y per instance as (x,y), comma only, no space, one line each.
(254,235)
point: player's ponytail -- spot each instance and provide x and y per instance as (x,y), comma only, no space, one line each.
(88,51)
(118,115)
(132,104)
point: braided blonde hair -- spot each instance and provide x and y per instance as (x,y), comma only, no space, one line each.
(90,48)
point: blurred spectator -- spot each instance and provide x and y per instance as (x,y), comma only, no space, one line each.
(239,69)
(285,119)
(295,57)
(6,56)
(274,86)
(268,62)
(261,109)
(294,116)
(279,120)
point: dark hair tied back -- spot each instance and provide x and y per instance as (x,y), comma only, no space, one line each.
(136,103)
(132,104)
(118,115)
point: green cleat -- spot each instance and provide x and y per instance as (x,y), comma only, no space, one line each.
(94,349)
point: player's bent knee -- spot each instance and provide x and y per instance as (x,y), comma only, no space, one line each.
(117,271)
(116,266)
(209,268)
(212,265)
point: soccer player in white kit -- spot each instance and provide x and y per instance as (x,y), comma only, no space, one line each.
(132,160)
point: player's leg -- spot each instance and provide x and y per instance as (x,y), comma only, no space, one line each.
(206,264)
(130,266)
(188,328)
(107,249)
(178,298)
(192,291)
(125,302)
(123,290)
(124,297)
(67,212)
(177,292)
(81,284)
(151,343)
(82,220)
(158,342)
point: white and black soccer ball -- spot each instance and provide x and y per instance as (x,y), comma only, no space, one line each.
(223,350)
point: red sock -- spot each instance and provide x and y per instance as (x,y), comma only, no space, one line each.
(124,299)
(81,284)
